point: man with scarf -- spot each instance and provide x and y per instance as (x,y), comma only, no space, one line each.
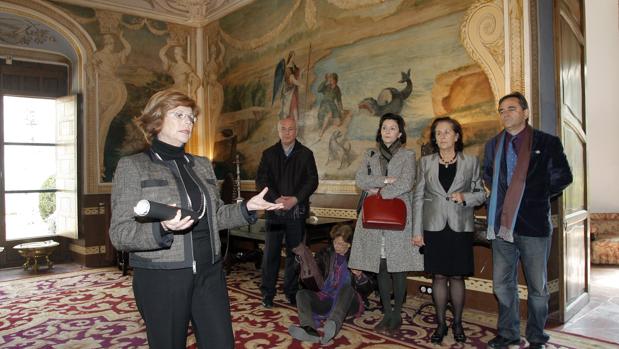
(524,169)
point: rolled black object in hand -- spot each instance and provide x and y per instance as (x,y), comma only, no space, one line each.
(156,210)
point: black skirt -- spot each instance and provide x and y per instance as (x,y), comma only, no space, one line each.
(448,252)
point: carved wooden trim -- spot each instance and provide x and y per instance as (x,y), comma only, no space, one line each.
(333,212)
(85,251)
(324,187)
(485,285)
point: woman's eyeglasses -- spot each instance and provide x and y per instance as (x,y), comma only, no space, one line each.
(180,117)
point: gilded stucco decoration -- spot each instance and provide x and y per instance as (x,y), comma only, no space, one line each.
(196,8)
(516,35)
(483,37)
(355,4)
(264,39)
(192,13)
(483,34)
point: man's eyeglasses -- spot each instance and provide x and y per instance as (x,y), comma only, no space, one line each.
(180,117)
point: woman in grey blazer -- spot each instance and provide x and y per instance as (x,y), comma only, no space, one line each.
(177,272)
(447,190)
(390,168)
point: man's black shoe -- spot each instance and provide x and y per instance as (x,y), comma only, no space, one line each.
(292,299)
(500,342)
(537,346)
(267,302)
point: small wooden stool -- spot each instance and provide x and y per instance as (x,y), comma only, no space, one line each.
(33,250)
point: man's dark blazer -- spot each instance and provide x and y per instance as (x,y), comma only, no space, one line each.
(548,174)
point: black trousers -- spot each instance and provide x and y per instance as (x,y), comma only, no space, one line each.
(169,299)
(308,303)
(292,231)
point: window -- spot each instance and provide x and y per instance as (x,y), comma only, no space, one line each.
(38,140)
(29,167)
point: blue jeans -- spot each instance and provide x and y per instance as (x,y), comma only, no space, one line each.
(533,252)
(292,231)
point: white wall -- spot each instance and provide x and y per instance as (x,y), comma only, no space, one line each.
(602,104)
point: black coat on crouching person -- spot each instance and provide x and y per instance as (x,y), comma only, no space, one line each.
(341,296)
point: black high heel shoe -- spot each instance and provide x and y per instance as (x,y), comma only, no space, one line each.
(458,331)
(439,333)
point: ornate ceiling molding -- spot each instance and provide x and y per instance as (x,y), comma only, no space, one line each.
(195,13)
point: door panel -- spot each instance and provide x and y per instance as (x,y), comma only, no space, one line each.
(574,239)
(571,73)
(66,166)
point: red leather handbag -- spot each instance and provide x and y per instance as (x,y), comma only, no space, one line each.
(387,214)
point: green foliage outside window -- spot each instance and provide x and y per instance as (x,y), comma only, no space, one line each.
(47,201)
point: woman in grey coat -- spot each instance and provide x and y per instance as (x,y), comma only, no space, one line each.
(448,189)
(177,271)
(390,169)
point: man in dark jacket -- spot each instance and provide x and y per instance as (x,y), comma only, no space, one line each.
(524,168)
(288,169)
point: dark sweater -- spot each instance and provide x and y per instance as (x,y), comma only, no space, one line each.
(294,175)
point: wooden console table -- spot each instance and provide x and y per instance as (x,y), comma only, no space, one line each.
(34,250)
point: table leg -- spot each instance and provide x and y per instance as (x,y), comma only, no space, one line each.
(35,267)
(50,264)
(26,263)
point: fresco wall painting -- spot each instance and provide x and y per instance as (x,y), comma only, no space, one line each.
(336,66)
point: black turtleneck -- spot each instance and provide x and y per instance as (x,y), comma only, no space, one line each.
(170,152)
(200,231)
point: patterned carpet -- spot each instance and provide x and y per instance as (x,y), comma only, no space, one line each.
(96,309)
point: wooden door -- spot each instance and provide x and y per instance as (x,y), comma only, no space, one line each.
(574,237)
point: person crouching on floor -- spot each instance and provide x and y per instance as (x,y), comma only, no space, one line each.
(342,294)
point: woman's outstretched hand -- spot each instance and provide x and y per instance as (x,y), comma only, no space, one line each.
(176,223)
(259,203)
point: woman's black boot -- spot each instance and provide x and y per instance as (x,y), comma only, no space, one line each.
(439,333)
(458,331)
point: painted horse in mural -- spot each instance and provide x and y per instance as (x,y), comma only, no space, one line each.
(390,99)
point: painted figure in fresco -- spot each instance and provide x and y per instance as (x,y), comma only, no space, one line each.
(215,91)
(339,150)
(331,104)
(390,99)
(112,91)
(286,83)
(185,79)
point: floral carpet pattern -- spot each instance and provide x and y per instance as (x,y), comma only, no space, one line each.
(96,309)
